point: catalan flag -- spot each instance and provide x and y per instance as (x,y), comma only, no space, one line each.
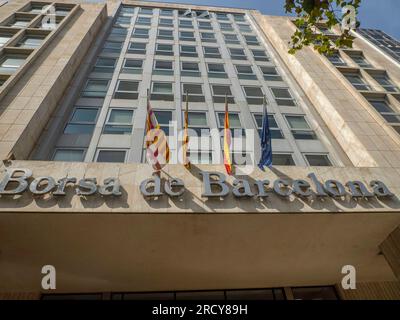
(185,145)
(156,142)
(227,140)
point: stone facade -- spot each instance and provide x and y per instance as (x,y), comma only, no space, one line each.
(133,243)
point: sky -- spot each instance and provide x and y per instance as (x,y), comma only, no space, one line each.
(374,14)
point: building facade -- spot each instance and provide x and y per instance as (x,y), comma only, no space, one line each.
(76,79)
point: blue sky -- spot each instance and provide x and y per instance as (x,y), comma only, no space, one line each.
(378,14)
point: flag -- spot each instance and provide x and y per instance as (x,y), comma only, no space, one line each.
(156,142)
(227,140)
(185,145)
(266,144)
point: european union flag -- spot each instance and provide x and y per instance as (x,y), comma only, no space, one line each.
(266,143)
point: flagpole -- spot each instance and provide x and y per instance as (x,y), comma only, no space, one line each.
(186,162)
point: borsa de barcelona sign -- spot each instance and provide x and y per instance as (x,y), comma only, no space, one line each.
(214,184)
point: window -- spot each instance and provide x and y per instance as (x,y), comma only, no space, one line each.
(212,52)
(251,40)
(162,91)
(163,67)
(385,82)
(190,69)
(283,97)
(19,23)
(186,36)
(245,72)
(164,119)
(11,63)
(188,51)
(127,10)
(254,95)
(270,73)
(119,121)
(127,89)
(276,132)
(231,38)
(185,24)
(195,92)
(360,60)
(112,47)
(336,59)
(200,157)
(117,156)
(165,34)
(137,48)
(244,28)
(69,155)
(260,55)
(123,20)
(207,37)
(95,88)
(119,32)
(221,16)
(386,112)
(234,123)
(82,121)
(140,33)
(357,81)
(164,49)
(225,26)
(282,159)
(4,39)
(315,293)
(205,25)
(31,41)
(143,21)
(220,92)
(132,66)
(105,65)
(216,70)
(166,12)
(239,17)
(37,8)
(166,23)
(148,11)
(237,54)
(318,160)
(300,128)
(197,122)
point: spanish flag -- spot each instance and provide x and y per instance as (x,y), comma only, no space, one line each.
(156,142)
(186,160)
(227,140)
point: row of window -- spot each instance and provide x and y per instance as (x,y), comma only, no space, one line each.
(188,69)
(185,50)
(196,157)
(129,89)
(205,15)
(182,23)
(188,36)
(120,121)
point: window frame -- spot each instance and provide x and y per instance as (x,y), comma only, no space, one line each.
(280,100)
(84,150)
(293,131)
(81,123)
(124,94)
(98,150)
(118,124)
